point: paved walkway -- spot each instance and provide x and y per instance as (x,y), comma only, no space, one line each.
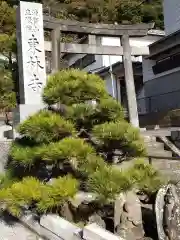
(11,230)
(160,132)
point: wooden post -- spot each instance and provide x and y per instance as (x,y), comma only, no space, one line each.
(56,54)
(129,80)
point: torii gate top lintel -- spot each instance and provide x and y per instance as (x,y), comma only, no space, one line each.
(100,29)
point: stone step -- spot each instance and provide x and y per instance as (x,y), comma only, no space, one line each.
(154,149)
(159,153)
(149,139)
(154,144)
(156,133)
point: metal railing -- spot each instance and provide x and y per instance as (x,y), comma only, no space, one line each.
(158,103)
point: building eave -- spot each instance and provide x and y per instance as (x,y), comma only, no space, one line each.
(164,45)
(115,67)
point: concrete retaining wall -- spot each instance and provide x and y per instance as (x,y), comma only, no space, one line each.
(50,227)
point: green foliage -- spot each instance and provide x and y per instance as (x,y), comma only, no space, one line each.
(120,135)
(21,194)
(7,96)
(147,179)
(60,191)
(7,179)
(107,183)
(7,44)
(110,110)
(153,13)
(73,86)
(82,114)
(46,127)
(86,115)
(44,196)
(7,49)
(106,11)
(8,18)
(72,150)
(24,156)
(80,140)
(91,164)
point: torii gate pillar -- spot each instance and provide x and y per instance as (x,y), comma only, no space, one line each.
(129,80)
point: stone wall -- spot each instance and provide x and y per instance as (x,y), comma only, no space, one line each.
(169,168)
(5,142)
(4,150)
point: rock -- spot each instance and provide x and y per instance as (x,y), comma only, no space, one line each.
(134,208)
(81,197)
(118,209)
(159,209)
(66,212)
(167,210)
(130,226)
(95,218)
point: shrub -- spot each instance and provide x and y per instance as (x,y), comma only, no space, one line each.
(92,164)
(21,194)
(86,115)
(107,183)
(60,191)
(7,95)
(24,156)
(46,127)
(81,140)
(120,135)
(83,115)
(30,191)
(7,179)
(147,179)
(73,86)
(73,150)
(110,110)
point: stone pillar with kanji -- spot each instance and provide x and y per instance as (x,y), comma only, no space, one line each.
(31,60)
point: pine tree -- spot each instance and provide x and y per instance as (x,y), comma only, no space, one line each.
(8,66)
(74,145)
(108,11)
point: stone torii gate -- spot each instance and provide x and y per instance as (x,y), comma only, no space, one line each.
(57,27)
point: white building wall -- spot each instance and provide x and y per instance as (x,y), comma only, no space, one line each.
(136,42)
(111,85)
(171,15)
